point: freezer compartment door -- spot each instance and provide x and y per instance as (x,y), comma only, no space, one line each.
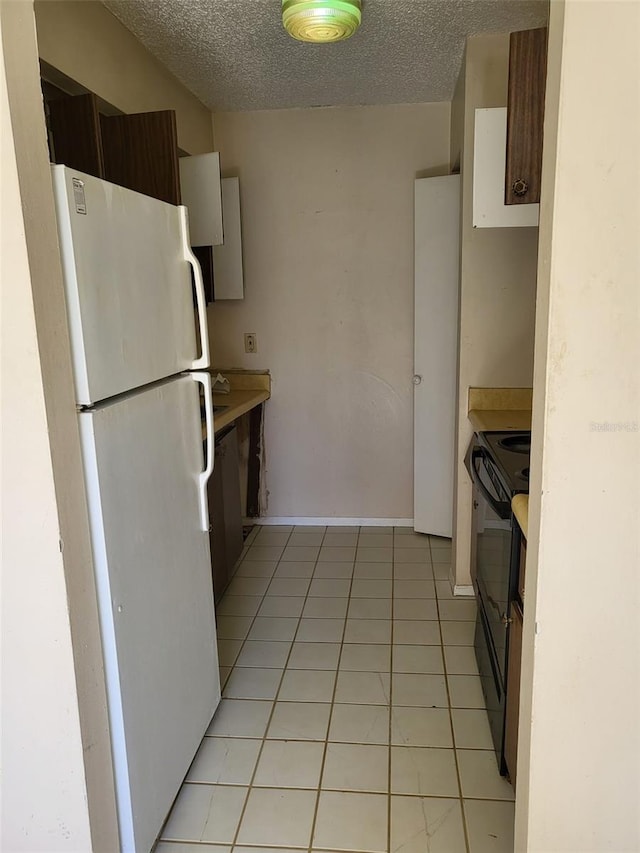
(127,269)
(143,458)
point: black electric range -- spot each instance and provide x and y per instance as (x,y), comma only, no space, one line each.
(498,463)
(509,452)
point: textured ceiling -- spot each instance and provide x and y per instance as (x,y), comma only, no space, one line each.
(235,55)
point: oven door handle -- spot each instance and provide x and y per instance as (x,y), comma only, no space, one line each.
(501,508)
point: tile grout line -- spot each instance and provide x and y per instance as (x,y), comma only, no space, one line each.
(285,668)
(222,686)
(439,601)
(393,577)
(367,792)
(453,739)
(255,615)
(333,697)
(419,796)
(264,595)
(250,787)
(410,796)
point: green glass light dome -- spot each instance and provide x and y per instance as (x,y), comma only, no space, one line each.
(321,21)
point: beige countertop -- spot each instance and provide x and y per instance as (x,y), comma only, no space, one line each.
(500,398)
(239,403)
(500,409)
(500,420)
(248,390)
(520,507)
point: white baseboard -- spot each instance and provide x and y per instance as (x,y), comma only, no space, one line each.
(308,521)
(463,590)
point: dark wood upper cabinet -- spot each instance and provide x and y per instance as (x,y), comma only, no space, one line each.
(141,153)
(525,115)
(75,129)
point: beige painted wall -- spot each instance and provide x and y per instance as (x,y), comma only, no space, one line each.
(57,789)
(497,282)
(327,212)
(86,42)
(579,751)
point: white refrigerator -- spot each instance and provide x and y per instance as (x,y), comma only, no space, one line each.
(139,361)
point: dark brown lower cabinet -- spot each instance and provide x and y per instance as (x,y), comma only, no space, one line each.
(225,511)
(521,569)
(513,691)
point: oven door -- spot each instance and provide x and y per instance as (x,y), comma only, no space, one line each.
(493,533)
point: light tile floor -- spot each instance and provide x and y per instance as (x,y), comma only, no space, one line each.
(352,716)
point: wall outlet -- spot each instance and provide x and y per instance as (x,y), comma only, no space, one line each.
(250,342)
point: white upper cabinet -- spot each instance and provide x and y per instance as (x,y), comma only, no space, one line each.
(228,280)
(202,194)
(489,162)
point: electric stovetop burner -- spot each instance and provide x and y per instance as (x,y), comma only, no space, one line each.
(518,443)
(510,453)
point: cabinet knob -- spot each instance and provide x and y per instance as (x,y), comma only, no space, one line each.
(476,504)
(506,620)
(520,187)
(417,379)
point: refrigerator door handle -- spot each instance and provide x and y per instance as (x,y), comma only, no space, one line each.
(203,477)
(201,299)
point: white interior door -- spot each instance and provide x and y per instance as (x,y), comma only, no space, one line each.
(437,263)
(142,458)
(127,270)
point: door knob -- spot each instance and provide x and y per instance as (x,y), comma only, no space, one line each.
(417,379)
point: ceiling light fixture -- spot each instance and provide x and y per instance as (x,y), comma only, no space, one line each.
(321,21)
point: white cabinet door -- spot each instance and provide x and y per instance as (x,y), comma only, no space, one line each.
(228,279)
(489,166)
(201,193)
(127,271)
(142,459)
(437,274)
